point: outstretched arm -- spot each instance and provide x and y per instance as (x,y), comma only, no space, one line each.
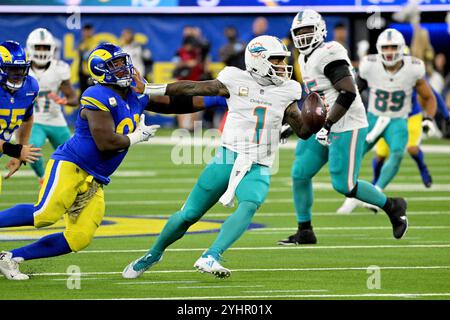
(181,88)
(293,117)
(426,97)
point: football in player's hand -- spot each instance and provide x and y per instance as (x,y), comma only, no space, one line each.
(314,112)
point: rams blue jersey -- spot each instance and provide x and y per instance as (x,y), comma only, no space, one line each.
(81,148)
(16,107)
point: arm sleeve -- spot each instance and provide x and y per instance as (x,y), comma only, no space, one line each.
(215,101)
(336,70)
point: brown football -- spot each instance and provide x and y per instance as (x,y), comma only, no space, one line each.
(314,112)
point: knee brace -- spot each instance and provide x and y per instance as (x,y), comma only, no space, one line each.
(78,240)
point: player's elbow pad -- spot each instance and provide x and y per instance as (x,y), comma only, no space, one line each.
(345,98)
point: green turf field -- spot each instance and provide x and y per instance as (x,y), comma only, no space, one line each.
(149,184)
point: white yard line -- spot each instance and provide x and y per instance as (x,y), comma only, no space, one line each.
(404,246)
(155,282)
(364,268)
(347,228)
(215,287)
(313,296)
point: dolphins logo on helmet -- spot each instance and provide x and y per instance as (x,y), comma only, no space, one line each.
(257,55)
(14,65)
(109,64)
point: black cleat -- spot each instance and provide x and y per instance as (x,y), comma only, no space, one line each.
(305,236)
(397,215)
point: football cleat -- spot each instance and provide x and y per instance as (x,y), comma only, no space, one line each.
(209,264)
(136,268)
(305,236)
(397,215)
(10,267)
(349,205)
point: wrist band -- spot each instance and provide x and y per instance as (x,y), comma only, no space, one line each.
(12,150)
(155,89)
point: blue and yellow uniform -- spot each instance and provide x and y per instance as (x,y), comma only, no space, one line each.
(77,163)
(16,107)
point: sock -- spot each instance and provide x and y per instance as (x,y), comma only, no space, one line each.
(233,228)
(38,167)
(418,158)
(17,216)
(376,165)
(387,206)
(48,246)
(369,193)
(305,225)
(303,199)
(174,229)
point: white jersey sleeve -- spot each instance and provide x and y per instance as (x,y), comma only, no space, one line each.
(332,51)
(226,77)
(63,69)
(365,65)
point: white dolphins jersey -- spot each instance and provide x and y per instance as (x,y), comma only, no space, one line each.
(46,111)
(255,114)
(315,80)
(390,93)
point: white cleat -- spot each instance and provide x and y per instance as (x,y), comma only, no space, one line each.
(371,207)
(210,265)
(10,267)
(349,205)
(136,268)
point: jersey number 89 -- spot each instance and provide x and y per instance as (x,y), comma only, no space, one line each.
(397,99)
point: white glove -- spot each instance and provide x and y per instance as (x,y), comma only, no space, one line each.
(323,137)
(377,129)
(430,129)
(142,132)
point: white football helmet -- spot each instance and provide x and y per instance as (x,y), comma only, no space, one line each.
(257,55)
(41,37)
(391,37)
(306,43)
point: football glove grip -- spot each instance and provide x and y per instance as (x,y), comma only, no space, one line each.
(142,132)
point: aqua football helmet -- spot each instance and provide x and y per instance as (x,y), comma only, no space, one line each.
(109,64)
(14,65)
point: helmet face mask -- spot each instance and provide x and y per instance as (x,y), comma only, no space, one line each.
(260,55)
(308,31)
(122,69)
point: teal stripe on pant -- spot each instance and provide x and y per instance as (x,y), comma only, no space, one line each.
(57,135)
(212,183)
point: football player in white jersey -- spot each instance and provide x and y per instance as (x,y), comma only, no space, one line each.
(53,76)
(258,99)
(391,78)
(326,69)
